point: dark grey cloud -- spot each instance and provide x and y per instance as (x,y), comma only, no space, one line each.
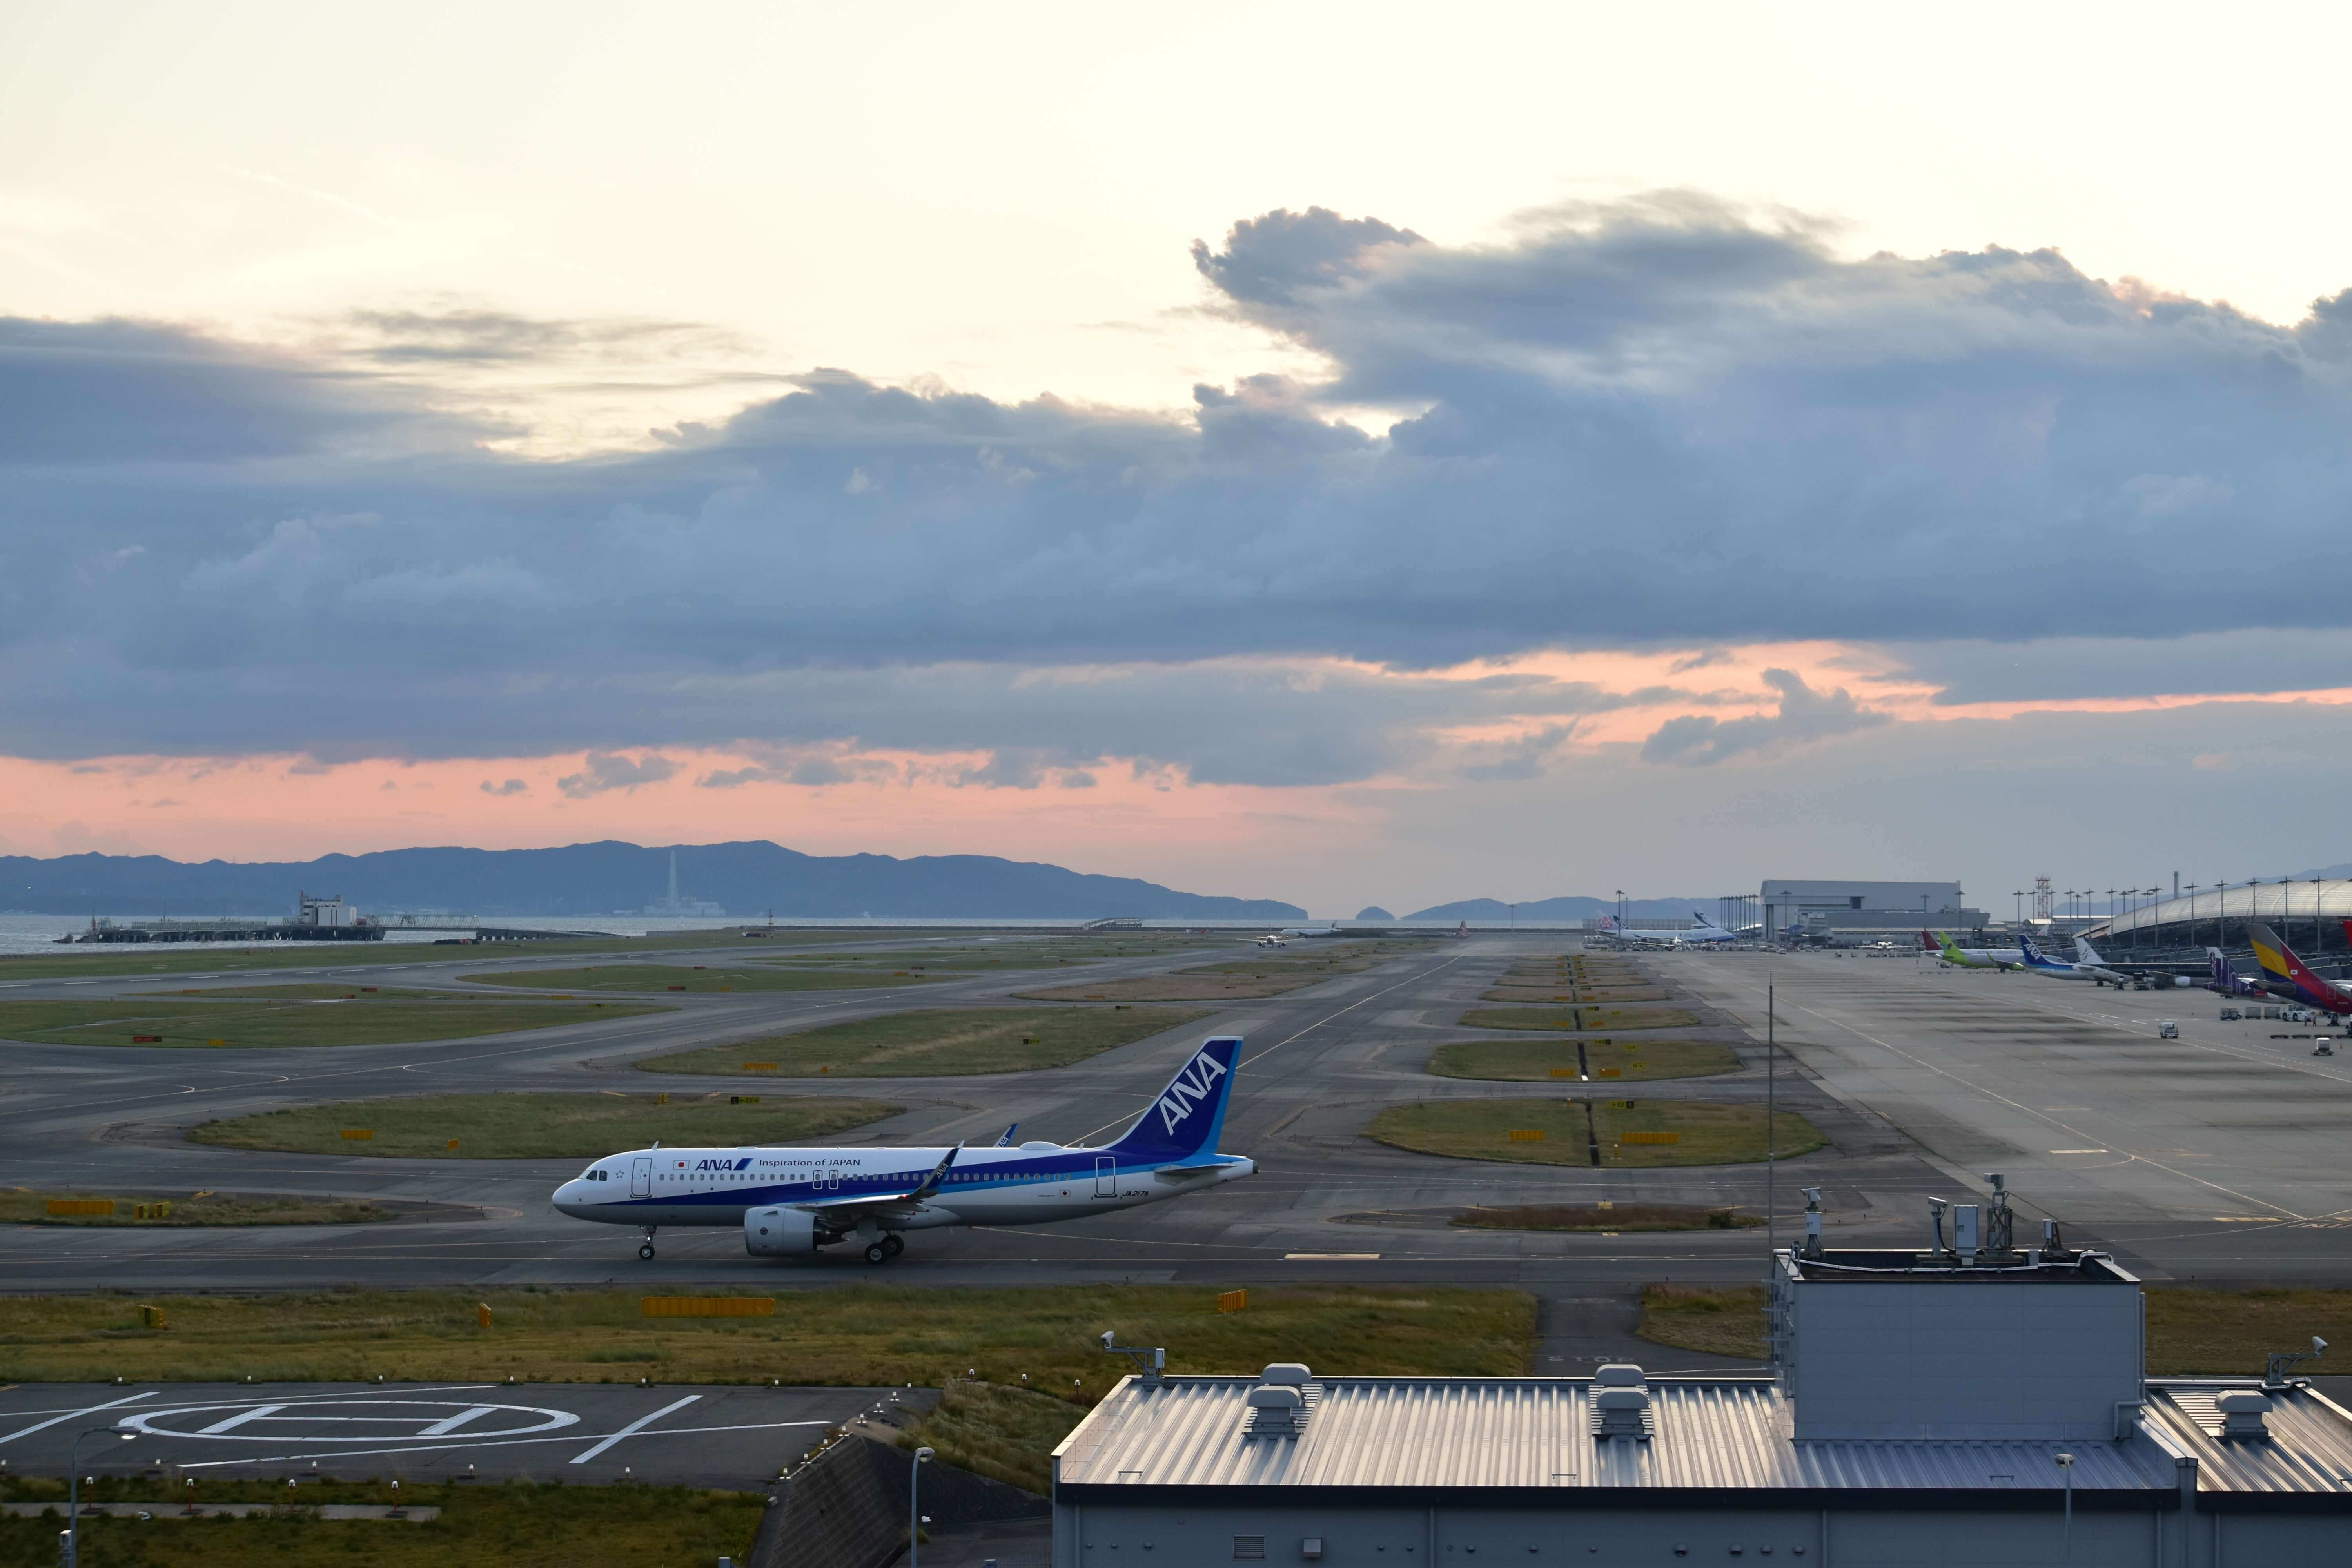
(2260,658)
(511,786)
(1660,423)
(605,773)
(1700,740)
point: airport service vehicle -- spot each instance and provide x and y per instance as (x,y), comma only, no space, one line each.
(790,1202)
(1960,957)
(2166,1029)
(2290,976)
(2053,969)
(2232,1016)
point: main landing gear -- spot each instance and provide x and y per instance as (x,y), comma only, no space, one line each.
(882,1251)
(645,1249)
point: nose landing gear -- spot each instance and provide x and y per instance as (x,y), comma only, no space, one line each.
(882,1251)
(645,1249)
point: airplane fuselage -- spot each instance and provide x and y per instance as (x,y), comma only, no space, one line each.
(1033,1184)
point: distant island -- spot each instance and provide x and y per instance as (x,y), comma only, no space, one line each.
(741,881)
(1565,910)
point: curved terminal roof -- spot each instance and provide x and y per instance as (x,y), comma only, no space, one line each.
(2280,903)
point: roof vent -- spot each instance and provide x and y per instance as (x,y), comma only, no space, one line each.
(1291,1374)
(1273,1411)
(2242,1413)
(1622,1413)
(1620,1375)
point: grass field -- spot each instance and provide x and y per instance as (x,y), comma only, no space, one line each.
(1614,1219)
(1610,1060)
(145,959)
(1481,1130)
(938,1042)
(2190,1330)
(1007,1433)
(377,1020)
(524,1525)
(20,1205)
(859,1335)
(1567,1018)
(698,977)
(536,1126)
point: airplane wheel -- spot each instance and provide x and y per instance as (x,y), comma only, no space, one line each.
(647,1252)
(893,1245)
(876,1253)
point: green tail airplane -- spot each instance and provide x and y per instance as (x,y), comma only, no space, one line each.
(1951,952)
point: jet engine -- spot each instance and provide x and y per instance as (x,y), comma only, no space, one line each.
(781,1232)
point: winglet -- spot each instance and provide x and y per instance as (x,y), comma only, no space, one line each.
(939,1174)
(1006,1141)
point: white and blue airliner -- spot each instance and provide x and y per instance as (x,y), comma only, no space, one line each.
(789,1202)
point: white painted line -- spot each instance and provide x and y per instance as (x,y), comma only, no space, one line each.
(230,1423)
(443,1428)
(635,1426)
(89,1410)
(467,1447)
(1330,1257)
(2079,1151)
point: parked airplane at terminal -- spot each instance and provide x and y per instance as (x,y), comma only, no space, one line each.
(2041,965)
(2142,975)
(1958,957)
(2228,980)
(789,1202)
(1703,931)
(2289,975)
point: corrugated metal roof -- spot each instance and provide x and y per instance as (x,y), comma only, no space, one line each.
(2309,1448)
(1537,1432)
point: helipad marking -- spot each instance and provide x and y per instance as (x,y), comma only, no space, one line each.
(316,1420)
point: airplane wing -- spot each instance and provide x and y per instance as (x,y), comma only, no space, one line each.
(886,1201)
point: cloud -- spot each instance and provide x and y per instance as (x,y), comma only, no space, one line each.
(733,778)
(605,773)
(1655,422)
(1701,741)
(512,786)
(1523,758)
(1713,655)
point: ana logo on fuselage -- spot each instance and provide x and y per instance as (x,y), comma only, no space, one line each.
(741,1165)
(1177,1103)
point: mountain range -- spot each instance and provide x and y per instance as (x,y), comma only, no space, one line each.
(587,880)
(1560,910)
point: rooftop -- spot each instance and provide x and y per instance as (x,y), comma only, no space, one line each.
(1696,1436)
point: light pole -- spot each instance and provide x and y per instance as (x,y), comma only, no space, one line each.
(73,1488)
(2192,914)
(914,1510)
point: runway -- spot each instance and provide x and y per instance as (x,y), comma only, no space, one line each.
(1922,1078)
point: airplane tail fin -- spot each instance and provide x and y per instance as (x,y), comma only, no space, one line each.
(2086,952)
(2032,953)
(2225,974)
(2277,960)
(1189,1113)
(1928,941)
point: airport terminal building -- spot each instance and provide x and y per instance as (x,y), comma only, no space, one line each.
(1931,1413)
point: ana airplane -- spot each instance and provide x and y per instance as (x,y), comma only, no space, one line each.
(1960,957)
(2039,964)
(2289,975)
(789,1202)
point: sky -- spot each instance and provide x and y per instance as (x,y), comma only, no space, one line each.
(1346,454)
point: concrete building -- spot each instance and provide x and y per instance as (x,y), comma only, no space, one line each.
(1932,1413)
(1826,908)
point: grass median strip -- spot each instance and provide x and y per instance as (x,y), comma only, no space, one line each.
(1611,1218)
(293,1021)
(697,978)
(2191,1331)
(537,1126)
(521,1524)
(1568,1018)
(936,1042)
(861,1335)
(1630,1134)
(1604,1060)
(23,1206)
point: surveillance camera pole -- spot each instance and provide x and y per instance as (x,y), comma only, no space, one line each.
(2066,1468)
(914,1509)
(1150,1362)
(73,1488)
